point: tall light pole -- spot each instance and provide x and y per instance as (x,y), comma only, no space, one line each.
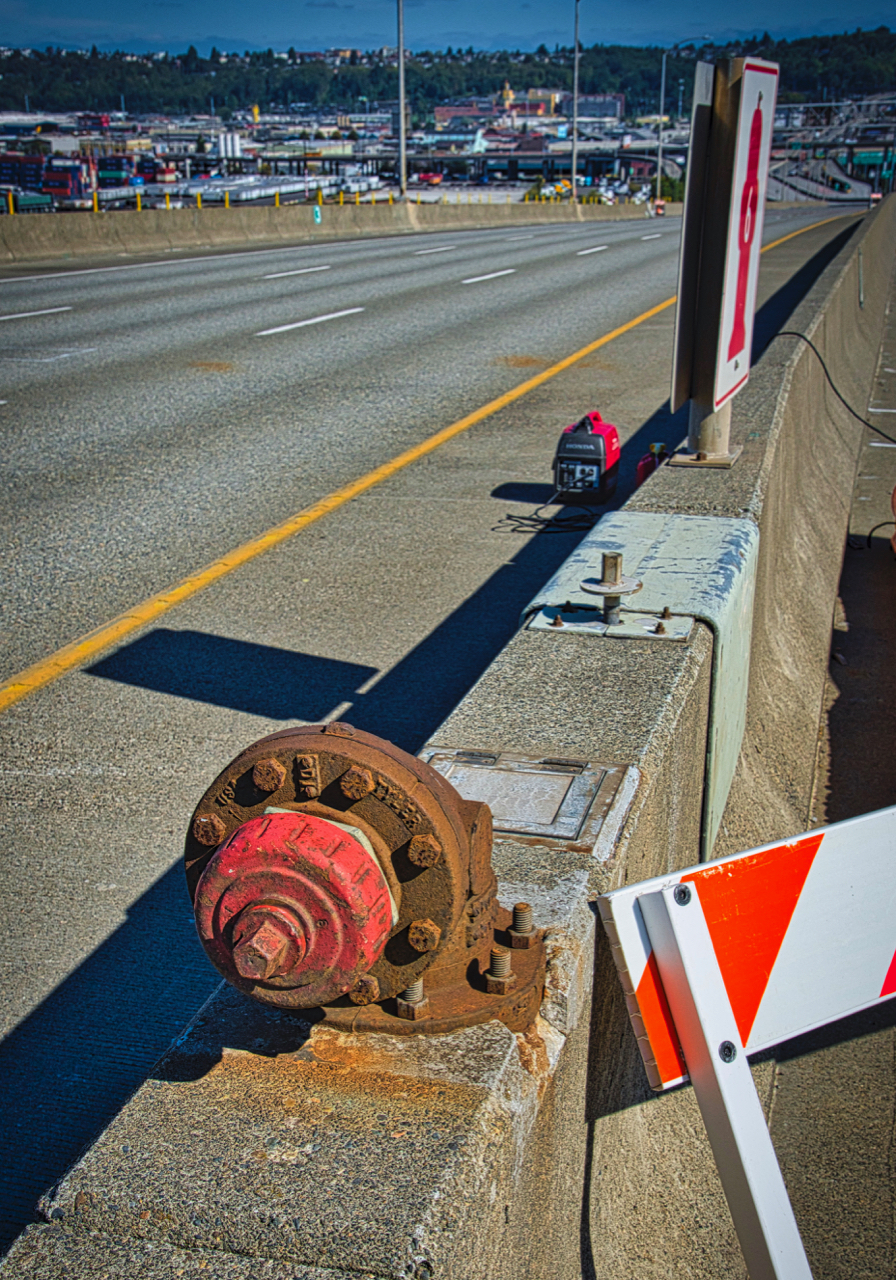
(575,108)
(659,137)
(402,132)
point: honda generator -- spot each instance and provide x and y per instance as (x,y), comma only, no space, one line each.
(586,464)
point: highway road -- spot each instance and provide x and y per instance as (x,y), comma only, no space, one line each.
(158,415)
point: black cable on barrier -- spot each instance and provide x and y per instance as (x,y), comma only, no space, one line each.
(792,333)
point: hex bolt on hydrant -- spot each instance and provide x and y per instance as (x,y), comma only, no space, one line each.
(331,870)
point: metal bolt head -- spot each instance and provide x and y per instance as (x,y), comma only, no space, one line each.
(499,986)
(365,991)
(412,1011)
(269,775)
(267,951)
(209,829)
(727,1051)
(425,851)
(424,935)
(356,783)
(681,894)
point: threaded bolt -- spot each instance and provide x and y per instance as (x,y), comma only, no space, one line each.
(414,993)
(611,568)
(500,967)
(522,918)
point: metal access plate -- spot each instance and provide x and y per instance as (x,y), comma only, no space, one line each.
(632,626)
(554,798)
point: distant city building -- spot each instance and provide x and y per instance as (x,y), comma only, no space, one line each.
(602,105)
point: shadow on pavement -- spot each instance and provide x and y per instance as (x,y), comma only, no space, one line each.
(244,676)
(71,1064)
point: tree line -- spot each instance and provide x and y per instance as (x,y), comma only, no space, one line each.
(815,68)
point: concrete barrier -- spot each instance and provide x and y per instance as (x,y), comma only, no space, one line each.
(79,235)
(259,1148)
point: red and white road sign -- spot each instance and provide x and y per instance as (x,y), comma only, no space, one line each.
(755,121)
(737,955)
(803,932)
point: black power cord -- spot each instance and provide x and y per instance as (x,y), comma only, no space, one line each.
(792,333)
(584,519)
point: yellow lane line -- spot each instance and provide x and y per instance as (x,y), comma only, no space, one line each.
(90,645)
(824,222)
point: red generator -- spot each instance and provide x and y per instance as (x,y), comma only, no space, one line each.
(586,463)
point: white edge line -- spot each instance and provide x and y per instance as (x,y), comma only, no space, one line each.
(419,253)
(654,235)
(597,248)
(881,444)
(301,324)
(26,315)
(492,275)
(299,271)
(870,410)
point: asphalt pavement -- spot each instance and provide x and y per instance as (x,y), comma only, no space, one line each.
(182,407)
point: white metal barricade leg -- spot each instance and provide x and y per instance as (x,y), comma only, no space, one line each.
(723,1084)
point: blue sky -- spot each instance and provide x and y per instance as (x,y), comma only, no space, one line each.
(365,24)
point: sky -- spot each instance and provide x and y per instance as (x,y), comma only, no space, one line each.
(232,25)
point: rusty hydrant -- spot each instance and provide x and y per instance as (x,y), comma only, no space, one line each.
(331,870)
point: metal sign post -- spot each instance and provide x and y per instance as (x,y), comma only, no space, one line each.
(731,136)
(736,956)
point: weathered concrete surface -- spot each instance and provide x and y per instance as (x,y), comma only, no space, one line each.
(407,1158)
(652,1202)
(32,239)
(92,1255)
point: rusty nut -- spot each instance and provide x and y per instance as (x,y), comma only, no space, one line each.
(269,775)
(522,941)
(412,1011)
(499,986)
(365,991)
(356,783)
(209,829)
(425,851)
(424,935)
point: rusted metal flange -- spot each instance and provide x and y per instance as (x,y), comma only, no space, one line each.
(328,868)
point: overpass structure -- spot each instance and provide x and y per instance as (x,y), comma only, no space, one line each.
(264,1144)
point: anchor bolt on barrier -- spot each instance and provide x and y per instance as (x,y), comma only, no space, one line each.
(612,585)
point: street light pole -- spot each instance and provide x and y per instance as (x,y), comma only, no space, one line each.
(402,132)
(575,108)
(659,141)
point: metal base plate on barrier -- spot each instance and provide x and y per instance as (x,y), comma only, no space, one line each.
(720,461)
(550,799)
(632,625)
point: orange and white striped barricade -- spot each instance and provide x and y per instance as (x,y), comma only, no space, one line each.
(732,957)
